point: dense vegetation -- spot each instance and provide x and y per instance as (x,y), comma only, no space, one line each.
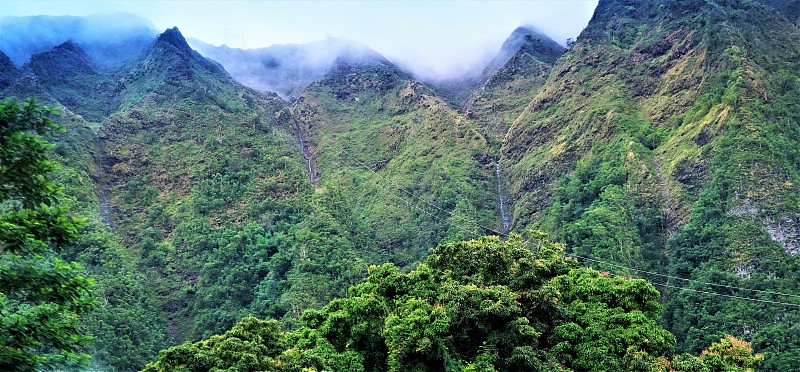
(42,298)
(397,157)
(676,155)
(663,143)
(479,305)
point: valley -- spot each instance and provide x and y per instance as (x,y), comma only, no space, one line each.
(320,207)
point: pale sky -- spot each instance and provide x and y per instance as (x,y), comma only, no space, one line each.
(436,35)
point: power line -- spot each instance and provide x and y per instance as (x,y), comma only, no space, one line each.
(718,294)
(325,137)
(681,279)
(614,264)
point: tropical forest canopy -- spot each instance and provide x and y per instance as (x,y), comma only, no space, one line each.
(161,211)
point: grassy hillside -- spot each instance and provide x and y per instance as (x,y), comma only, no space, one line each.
(410,169)
(665,140)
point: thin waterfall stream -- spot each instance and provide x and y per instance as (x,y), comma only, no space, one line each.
(502,200)
(306,152)
(103,191)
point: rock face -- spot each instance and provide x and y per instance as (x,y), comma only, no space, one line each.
(786,232)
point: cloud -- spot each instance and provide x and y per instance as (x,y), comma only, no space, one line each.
(109,39)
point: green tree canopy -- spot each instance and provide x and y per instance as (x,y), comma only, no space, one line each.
(41,296)
(479,305)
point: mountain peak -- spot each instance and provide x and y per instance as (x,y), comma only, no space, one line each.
(370,58)
(71,47)
(171,43)
(174,37)
(67,55)
(533,41)
(528,40)
(357,72)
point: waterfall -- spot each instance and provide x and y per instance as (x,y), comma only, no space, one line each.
(103,191)
(306,152)
(502,200)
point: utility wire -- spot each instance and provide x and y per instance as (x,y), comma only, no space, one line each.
(325,137)
(667,285)
(596,260)
(681,279)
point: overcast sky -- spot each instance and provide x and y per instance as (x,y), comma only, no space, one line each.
(435,35)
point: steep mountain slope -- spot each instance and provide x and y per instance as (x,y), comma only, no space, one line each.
(283,69)
(667,137)
(196,192)
(124,322)
(412,167)
(65,72)
(8,72)
(200,193)
(511,80)
(191,158)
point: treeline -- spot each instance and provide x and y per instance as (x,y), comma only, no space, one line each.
(478,305)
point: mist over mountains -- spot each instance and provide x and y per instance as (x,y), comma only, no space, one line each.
(283,69)
(310,183)
(112,40)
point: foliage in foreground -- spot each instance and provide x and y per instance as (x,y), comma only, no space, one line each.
(41,296)
(479,305)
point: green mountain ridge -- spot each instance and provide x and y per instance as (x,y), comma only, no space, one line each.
(511,80)
(367,102)
(663,140)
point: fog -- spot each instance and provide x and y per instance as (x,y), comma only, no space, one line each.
(110,40)
(284,69)
(435,40)
(282,46)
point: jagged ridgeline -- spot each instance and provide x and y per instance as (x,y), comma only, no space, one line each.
(209,201)
(665,140)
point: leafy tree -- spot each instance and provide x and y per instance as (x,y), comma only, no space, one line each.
(477,305)
(41,296)
(251,345)
(731,354)
(610,323)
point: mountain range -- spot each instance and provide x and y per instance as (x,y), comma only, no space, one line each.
(221,183)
